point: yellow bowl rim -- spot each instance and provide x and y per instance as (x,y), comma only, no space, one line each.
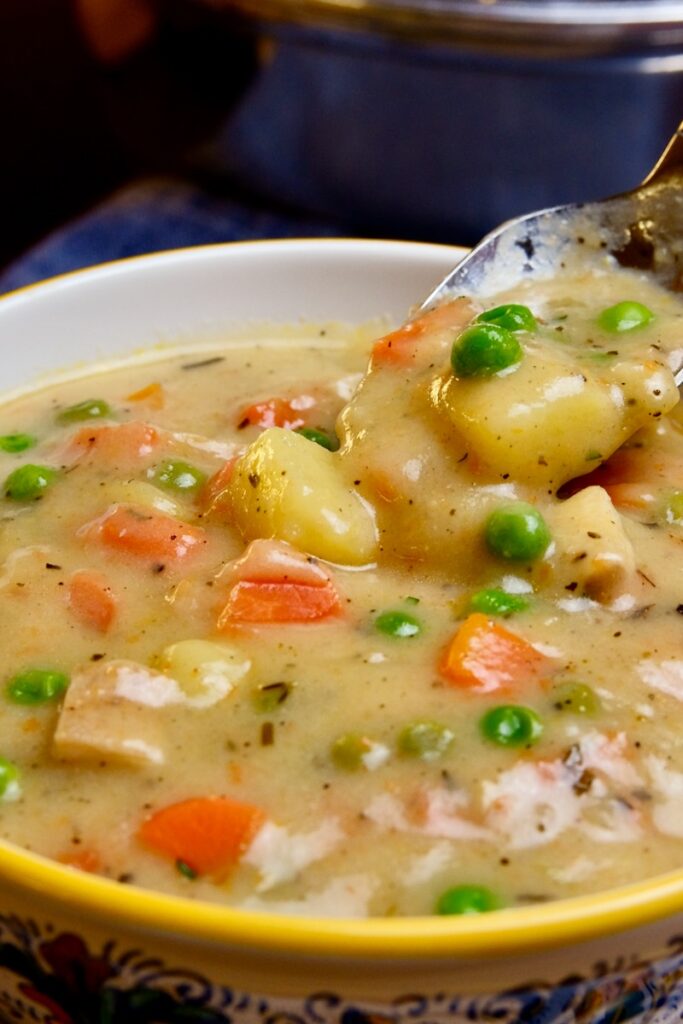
(515,930)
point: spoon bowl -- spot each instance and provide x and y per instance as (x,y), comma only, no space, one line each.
(640,230)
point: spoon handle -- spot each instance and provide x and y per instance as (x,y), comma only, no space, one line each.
(671,159)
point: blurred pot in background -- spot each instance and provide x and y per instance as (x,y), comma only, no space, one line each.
(441,118)
(97,92)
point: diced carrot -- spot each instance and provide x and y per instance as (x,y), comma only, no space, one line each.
(273,582)
(91,600)
(84,860)
(145,534)
(153,395)
(635,478)
(484,657)
(276,412)
(212,497)
(645,467)
(258,602)
(622,467)
(399,347)
(631,495)
(120,444)
(209,834)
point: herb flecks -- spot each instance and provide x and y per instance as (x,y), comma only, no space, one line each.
(201,363)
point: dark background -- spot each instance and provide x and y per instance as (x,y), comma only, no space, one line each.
(83,117)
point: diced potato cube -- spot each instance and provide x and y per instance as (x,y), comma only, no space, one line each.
(288,487)
(206,672)
(592,550)
(547,422)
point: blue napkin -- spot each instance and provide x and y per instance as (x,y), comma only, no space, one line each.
(151,215)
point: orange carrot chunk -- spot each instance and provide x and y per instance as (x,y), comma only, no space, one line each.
(91,600)
(632,495)
(212,497)
(208,834)
(152,395)
(256,602)
(145,534)
(274,582)
(120,444)
(484,657)
(399,347)
(646,468)
(83,860)
(276,412)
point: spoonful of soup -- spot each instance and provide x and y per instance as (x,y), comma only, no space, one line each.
(552,330)
(550,348)
(640,230)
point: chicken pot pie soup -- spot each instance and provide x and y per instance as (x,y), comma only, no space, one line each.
(291,632)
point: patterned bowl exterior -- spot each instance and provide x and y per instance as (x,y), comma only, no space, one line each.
(77,951)
(53,976)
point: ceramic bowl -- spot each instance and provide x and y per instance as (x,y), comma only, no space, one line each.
(76,949)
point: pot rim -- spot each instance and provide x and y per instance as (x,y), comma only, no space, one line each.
(569,27)
(509,931)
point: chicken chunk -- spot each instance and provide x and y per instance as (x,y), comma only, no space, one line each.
(111,712)
(592,552)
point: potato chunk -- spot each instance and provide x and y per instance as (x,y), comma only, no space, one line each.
(288,487)
(549,421)
(207,672)
(592,549)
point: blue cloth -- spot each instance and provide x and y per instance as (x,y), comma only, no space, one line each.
(151,215)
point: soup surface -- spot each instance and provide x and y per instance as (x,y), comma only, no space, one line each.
(287,632)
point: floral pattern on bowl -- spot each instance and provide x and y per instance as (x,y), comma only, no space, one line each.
(53,977)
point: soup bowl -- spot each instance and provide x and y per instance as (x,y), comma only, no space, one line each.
(77,948)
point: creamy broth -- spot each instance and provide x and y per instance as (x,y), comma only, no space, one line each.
(333,740)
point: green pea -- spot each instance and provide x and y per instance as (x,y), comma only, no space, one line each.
(36,686)
(348,751)
(426,740)
(673,513)
(9,778)
(268,697)
(518,532)
(511,316)
(319,437)
(467,899)
(399,624)
(511,725)
(175,475)
(577,698)
(17,442)
(90,409)
(625,316)
(28,482)
(495,601)
(484,349)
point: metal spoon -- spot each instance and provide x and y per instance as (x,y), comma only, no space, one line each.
(641,230)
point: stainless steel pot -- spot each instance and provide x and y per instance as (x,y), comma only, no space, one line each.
(441,118)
